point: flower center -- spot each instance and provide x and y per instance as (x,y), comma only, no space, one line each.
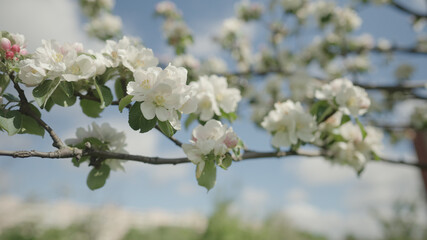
(145,84)
(58,57)
(159,100)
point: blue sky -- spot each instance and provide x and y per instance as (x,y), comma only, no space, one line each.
(311,192)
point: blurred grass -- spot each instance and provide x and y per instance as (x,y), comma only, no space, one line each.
(223,225)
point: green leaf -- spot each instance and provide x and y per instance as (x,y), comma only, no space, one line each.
(124,102)
(30,126)
(362,128)
(226,162)
(375,156)
(10,97)
(118,88)
(322,110)
(167,128)
(344,119)
(137,121)
(229,116)
(97,177)
(190,119)
(207,178)
(64,95)
(104,94)
(4,80)
(91,108)
(76,162)
(11,121)
(44,91)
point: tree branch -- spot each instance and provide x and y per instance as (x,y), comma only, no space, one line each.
(248,155)
(405,9)
(25,109)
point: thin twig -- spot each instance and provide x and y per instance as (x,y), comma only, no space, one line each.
(25,109)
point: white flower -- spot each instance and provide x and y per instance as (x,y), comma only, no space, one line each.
(30,73)
(288,122)
(214,95)
(214,65)
(135,58)
(162,93)
(346,19)
(356,151)
(351,99)
(383,44)
(116,141)
(212,138)
(186,60)
(105,26)
(19,39)
(130,53)
(292,5)
(51,58)
(82,67)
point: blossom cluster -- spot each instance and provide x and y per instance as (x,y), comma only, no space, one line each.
(104,27)
(164,93)
(214,97)
(248,11)
(212,139)
(351,100)
(12,46)
(289,123)
(103,24)
(419,117)
(355,150)
(110,138)
(232,38)
(53,60)
(175,29)
(70,63)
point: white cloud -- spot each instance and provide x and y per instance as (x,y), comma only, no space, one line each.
(44,19)
(331,223)
(296,195)
(317,171)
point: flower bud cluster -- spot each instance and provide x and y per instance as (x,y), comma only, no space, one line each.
(212,139)
(12,46)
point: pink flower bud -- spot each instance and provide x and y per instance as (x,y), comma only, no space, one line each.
(23,52)
(15,48)
(10,55)
(231,140)
(5,43)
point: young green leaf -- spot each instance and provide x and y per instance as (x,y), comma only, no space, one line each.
(166,128)
(207,178)
(11,121)
(97,177)
(124,102)
(104,94)
(344,119)
(362,128)
(44,91)
(30,126)
(91,108)
(64,95)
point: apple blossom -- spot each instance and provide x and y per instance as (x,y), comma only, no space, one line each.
(114,140)
(105,26)
(351,99)
(356,150)
(288,123)
(163,93)
(213,96)
(30,73)
(212,139)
